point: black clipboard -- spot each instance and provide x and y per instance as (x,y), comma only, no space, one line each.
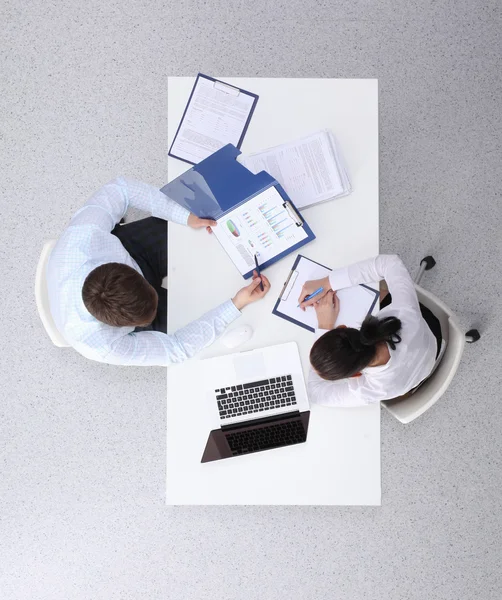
(277,312)
(222,85)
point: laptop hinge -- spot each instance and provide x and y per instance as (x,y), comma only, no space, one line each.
(262,421)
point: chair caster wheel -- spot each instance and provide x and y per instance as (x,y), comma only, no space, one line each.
(472,336)
(429,262)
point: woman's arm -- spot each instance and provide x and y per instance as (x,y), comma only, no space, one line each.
(386,266)
(344,393)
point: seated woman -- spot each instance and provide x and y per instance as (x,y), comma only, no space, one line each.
(392,352)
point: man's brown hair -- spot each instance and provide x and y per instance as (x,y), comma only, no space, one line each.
(118,295)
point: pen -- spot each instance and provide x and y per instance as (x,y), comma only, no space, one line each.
(259,274)
(312,295)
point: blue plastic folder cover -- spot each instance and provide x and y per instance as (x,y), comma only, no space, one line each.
(216,185)
(255,215)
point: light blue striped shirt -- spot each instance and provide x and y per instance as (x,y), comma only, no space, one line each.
(88,243)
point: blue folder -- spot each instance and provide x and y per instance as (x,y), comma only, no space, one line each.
(219,184)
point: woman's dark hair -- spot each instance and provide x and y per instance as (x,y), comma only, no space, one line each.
(345,351)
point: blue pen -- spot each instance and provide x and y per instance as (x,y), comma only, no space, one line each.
(259,274)
(312,295)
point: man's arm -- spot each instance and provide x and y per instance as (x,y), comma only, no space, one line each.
(153,348)
(109,204)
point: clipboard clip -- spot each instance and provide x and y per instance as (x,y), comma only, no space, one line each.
(293,213)
(290,280)
(226,88)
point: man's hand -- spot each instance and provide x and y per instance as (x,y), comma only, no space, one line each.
(309,287)
(198,223)
(327,310)
(252,292)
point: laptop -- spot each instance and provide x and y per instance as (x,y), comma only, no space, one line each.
(261,401)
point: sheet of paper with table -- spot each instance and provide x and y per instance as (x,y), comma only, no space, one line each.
(355,302)
(263,226)
(216,114)
(311,169)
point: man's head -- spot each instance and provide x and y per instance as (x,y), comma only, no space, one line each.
(118,295)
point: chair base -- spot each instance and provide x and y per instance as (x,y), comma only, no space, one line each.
(429,262)
(472,336)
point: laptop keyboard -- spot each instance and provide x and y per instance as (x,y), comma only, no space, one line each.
(254,397)
(270,436)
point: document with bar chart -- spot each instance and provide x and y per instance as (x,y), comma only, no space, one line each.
(265,225)
(255,215)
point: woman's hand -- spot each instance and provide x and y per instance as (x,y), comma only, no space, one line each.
(309,287)
(327,310)
(198,223)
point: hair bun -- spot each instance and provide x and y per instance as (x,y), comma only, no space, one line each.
(375,330)
(356,343)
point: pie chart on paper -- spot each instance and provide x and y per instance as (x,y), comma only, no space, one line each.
(232,227)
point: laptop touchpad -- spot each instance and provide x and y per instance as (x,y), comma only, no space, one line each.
(250,368)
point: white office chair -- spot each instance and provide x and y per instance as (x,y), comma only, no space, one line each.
(413,405)
(42,297)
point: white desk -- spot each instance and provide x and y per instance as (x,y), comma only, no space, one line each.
(340,463)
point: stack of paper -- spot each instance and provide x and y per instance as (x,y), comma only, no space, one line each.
(311,169)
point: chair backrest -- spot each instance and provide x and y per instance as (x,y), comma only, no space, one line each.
(411,407)
(42,297)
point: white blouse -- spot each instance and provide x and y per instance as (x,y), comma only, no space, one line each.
(411,361)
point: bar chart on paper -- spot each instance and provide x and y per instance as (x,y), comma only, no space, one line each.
(262,227)
(277,218)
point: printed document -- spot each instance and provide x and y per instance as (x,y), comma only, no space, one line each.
(215,116)
(262,226)
(311,169)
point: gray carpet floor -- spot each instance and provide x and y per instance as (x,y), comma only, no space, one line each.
(84,98)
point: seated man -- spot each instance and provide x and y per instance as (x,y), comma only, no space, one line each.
(104,281)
